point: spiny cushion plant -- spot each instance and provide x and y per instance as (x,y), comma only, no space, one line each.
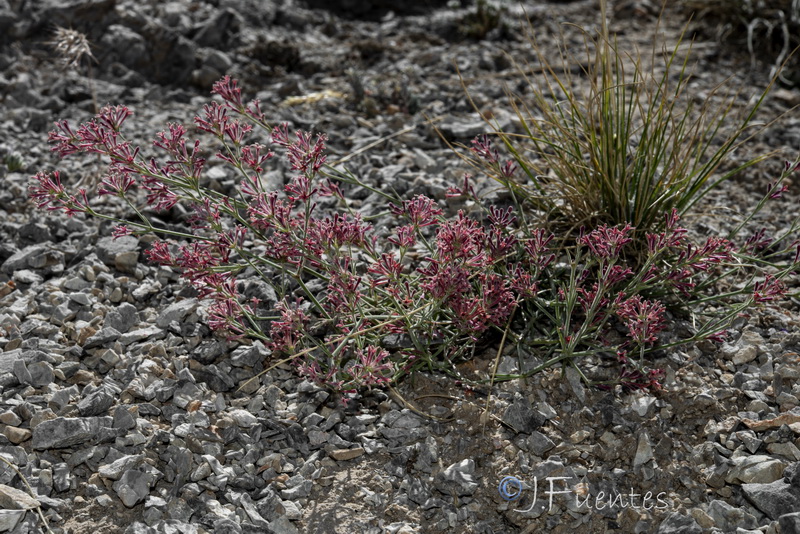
(421,296)
(622,145)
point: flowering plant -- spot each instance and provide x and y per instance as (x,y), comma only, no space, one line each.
(358,307)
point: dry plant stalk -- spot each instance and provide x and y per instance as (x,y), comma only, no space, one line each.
(72,47)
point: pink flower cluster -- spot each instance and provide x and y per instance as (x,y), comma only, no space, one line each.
(439,284)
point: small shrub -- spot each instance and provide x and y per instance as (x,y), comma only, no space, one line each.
(14,162)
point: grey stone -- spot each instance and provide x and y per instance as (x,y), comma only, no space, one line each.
(82,299)
(209,351)
(176,312)
(226,526)
(41,374)
(21,372)
(457,479)
(133,487)
(759,468)
(115,469)
(9,519)
(522,416)
(644,450)
(403,419)
(108,248)
(204,76)
(141,334)
(292,510)
(62,397)
(745,349)
(141,528)
(62,477)
(98,401)
(127,45)
(104,337)
(727,518)
(298,492)
(539,444)
(219,61)
(676,523)
(282,525)
(35,232)
(243,418)
(26,276)
(749,439)
(215,31)
(68,431)
(789,523)
(774,499)
(185,393)
(454,128)
(7,18)
(215,378)
(122,318)
(62,313)
(641,404)
(248,356)
(14,499)
(33,256)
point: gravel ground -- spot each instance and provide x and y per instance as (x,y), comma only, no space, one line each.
(125,414)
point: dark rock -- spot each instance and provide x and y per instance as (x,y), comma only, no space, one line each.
(7,18)
(108,248)
(99,401)
(268,504)
(35,257)
(68,431)
(539,444)
(133,487)
(41,374)
(375,9)
(271,53)
(219,31)
(219,61)
(214,378)
(226,526)
(122,318)
(522,416)
(120,466)
(457,479)
(774,499)
(85,16)
(35,232)
(105,336)
(789,523)
(248,356)
(176,311)
(209,351)
(128,46)
(676,523)
(21,372)
(727,518)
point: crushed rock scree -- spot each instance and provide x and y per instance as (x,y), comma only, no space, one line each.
(126,415)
